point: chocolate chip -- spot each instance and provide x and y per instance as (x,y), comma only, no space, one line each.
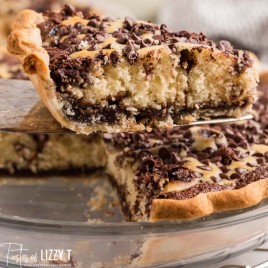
(163,27)
(147,41)
(224,176)
(138,137)
(99,37)
(144,153)
(115,57)
(64,31)
(251,165)
(55,42)
(53,31)
(64,45)
(164,153)
(235,176)
(173,40)
(142,44)
(93,47)
(260,161)
(103,57)
(258,154)
(197,175)
(73,32)
(225,169)
(130,52)
(69,10)
(148,161)
(129,21)
(93,23)
(244,155)
(216,159)
(132,55)
(202,155)
(210,151)
(128,48)
(157,37)
(205,162)
(102,25)
(206,168)
(108,19)
(176,145)
(219,164)
(174,158)
(215,179)
(79,26)
(107,46)
(122,40)
(182,174)
(224,45)
(135,37)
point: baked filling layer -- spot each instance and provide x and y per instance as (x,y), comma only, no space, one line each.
(114,111)
(123,68)
(182,163)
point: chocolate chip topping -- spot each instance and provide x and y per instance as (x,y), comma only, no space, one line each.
(130,52)
(129,22)
(73,38)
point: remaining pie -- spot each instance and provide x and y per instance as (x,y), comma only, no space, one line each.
(98,74)
(190,172)
(166,174)
(22,153)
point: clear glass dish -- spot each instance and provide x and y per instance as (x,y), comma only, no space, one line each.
(81,218)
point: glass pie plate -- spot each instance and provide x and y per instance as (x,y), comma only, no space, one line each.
(56,221)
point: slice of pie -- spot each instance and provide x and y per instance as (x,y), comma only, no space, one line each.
(98,74)
(187,173)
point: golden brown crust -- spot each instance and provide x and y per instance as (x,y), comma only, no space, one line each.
(208,203)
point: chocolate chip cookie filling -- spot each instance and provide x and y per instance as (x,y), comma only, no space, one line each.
(183,163)
(120,75)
